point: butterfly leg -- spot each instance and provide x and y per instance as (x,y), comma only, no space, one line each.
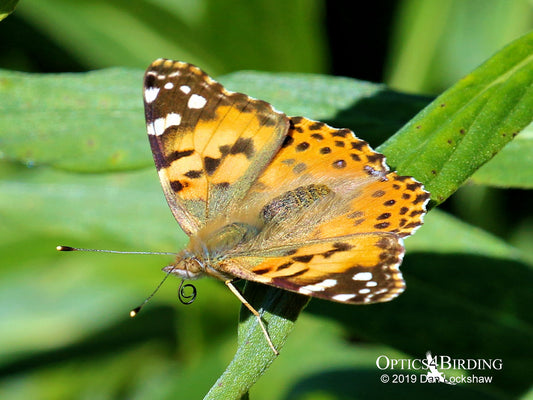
(235,291)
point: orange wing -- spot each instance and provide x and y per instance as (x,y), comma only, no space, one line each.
(358,269)
(208,144)
(370,197)
(334,219)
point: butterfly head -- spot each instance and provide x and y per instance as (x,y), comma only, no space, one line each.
(186,266)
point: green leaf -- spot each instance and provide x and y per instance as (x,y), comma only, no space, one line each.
(87,122)
(469,123)
(511,167)
(73,296)
(108,33)
(7,7)
(433,43)
(467,239)
(254,356)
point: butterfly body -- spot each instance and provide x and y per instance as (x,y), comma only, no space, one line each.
(211,250)
(284,201)
(208,250)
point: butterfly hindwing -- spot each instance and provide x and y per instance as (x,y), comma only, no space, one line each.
(335,218)
(209,144)
(358,269)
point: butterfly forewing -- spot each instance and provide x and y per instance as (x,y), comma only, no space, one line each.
(209,144)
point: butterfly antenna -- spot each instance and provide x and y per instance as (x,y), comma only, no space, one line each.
(69,248)
(136,310)
(182,296)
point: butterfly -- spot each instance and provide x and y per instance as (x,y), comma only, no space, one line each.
(283,201)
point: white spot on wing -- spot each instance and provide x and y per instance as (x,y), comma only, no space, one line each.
(185,89)
(168,85)
(364,291)
(328,283)
(150,94)
(196,101)
(305,290)
(172,119)
(343,297)
(318,287)
(362,276)
(159,126)
(371,284)
(150,129)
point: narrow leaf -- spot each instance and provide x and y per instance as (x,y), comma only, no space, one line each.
(254,356)
(105,33)
(511,167)
(7,7)
(469,123)
(82,122)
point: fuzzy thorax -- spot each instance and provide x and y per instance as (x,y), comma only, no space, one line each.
(205,251)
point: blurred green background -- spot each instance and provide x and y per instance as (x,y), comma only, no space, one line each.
(65,331)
